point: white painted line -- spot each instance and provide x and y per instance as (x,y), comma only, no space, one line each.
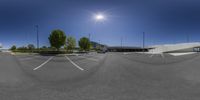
(72,54)
(74,63)
(162,55)
(25,59)
(29,58)
(151,55)
(125,53)
(12,53)
(88,58)
(43,63)
(180,54)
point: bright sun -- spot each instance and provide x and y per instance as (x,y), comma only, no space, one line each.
(99,17)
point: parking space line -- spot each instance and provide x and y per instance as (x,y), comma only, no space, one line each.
(74,63)
(28,58)
(88,58)
(43,63)
(22,59)
(151,55)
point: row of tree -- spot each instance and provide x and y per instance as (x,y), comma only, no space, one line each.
(58,39)
(29,47)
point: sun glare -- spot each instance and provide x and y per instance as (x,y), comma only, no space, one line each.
(99,17)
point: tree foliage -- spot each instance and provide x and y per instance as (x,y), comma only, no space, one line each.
(31,47)
(22,49)
(84,44)
(44,48)
(57,38)
(71,43)
(13,48)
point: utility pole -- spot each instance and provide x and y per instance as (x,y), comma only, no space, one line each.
(143,41)
(121,41)
(99,45)
(89,36)
(37,31)
(188,38)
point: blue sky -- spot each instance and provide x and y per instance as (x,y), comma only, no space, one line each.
(163,21)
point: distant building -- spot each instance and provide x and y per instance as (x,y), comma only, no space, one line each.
(102,47)
(126,49)
(180,47)
(98,46)
(94,44)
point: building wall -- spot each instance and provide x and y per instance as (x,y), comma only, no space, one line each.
(182,50)
(182,47)
(127,50)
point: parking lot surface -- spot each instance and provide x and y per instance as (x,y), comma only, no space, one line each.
(110,76)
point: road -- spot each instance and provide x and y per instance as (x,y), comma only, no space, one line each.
(111,76)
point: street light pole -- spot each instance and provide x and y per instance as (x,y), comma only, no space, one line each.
(143,41)
(37,31)
(99,45)
(89,36)
(188,38)
(121,41)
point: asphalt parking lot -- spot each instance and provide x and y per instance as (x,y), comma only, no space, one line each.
(110,76)
(56,68)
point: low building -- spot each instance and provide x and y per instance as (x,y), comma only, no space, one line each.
(180,47)
(95,44)
(126,49)
(105,48)
(98,46)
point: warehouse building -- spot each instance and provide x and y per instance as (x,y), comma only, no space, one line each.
(176,48)
(126,49)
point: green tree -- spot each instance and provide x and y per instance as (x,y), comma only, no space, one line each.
(13,48)
(71,43)
(22,49)
(65,47)
(57,39)
(84,44)
(31,47)
(43,47)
